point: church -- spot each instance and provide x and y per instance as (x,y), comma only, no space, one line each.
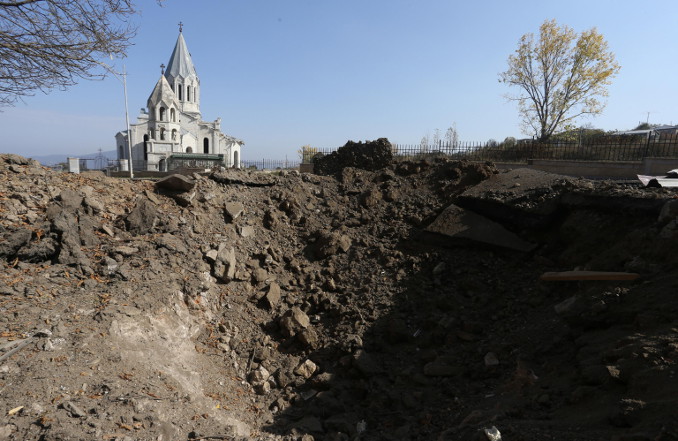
(169,132)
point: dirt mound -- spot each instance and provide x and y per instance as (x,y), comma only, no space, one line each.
(243,305)
(371,155)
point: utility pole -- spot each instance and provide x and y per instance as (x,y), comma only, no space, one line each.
(122,77)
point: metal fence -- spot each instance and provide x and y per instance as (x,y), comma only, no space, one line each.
(599,148)
(269,164)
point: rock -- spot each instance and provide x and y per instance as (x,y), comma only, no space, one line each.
(293,321)
(6,431)
(330,243)
(184,199)
(246,231)
(272,220)
(126,251)
(308,338)
(108,230)
(306,369)
(300,317)
(70,200)
(74,410)
(259,375)
(492,434)
(460,225)
(143,218)
(629,413)
(211,255)
(13,242)
(371,198)
(94,204)
(233,210)
(272,297)
(150,195)
(224,265)
(491,359)
(260,275)
(284,377)
(263,388)
(175,182)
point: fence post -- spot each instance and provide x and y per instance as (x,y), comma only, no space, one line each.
(647,146)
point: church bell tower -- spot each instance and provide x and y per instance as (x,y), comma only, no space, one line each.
(182,77)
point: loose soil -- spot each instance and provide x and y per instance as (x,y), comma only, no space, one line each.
(241,305)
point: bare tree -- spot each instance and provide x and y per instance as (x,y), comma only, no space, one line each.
(424,144)
(451,135)
(436,137)
(47,44)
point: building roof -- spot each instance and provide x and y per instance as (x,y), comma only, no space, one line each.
(162,92)
(180,64)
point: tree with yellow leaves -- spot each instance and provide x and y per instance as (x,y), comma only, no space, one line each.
(306,153)
(562,76)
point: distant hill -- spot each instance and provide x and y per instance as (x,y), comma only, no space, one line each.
(48,160)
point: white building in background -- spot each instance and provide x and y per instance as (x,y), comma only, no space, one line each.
(170,132)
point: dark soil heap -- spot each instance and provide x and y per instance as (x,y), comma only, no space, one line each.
(371,155)
(242,305)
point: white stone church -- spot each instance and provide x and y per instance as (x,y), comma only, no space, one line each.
(170,132)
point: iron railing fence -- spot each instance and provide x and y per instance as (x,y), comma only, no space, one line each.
(600,148)
(269,164)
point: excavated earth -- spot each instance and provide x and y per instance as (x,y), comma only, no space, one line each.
(403,303)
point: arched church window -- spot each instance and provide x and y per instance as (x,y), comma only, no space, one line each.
(121,152)
(152,133)
(206,145)
(180,89)
(236,159)
(162,114)
(162,134)
(189,150)
(173,115)
(188,93)
(146,147)
(174,134)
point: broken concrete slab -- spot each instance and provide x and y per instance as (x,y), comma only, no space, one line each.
(458,223)
(175,183)
(521,197)
(233,210)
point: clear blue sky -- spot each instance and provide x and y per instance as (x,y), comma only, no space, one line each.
(282,74)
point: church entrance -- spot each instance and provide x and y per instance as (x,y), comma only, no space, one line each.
(236,162)
(206,146)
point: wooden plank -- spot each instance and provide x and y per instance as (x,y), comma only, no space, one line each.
(587,275)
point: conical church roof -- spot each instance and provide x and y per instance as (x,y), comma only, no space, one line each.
(162,92)
(180,64)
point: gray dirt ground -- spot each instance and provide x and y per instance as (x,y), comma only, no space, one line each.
(297,307)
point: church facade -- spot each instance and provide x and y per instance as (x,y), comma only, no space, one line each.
(169,132)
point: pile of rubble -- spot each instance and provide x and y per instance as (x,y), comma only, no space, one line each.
(400,302)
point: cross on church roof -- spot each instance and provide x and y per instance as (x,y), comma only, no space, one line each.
(181,26)
(162,69)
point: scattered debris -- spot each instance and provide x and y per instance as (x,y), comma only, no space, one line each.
(285,306)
